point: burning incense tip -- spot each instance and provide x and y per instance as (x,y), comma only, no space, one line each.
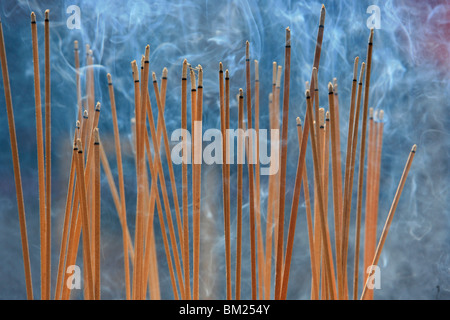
(327,116)
(227,74)
(75,44)
(47,13)
(33,17)
(355,68)
(371,36)
(241,93)
(288,37)
(307,94)
(247,50)
(381,115)
(193,84)
(220,67)
(97,107)
(184,73)
(96,136)
(109,78)
(154,76)
(78,124)
(85,114)
(322,16)
(147,52)
(335,86)
(370,113)
(79,146)
(200,76)
(414,148)
(299,122)
(164,72)
(321,116)
(330,88)
(307,86)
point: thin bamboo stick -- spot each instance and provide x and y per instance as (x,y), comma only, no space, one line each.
(224,186)
(67,211)
(361,161)
(390,216)
(371,222)
(48,161)
(325,236)
(197,190)
(259,242)
(97,192)
(16,166)
(239,196)
(40,152)
(251,173)
(85,222)
(284,138)
(123,210)
(184,168)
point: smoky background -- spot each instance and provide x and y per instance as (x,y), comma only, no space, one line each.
(409,82)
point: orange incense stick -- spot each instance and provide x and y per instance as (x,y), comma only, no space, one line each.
(284,138)
(48,171)
(390,216)
(16,166)
(122,212)
(40,152)
(361,160)
(240,155)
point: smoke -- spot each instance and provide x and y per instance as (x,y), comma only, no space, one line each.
(409,82)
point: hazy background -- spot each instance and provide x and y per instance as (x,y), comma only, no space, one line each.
(409,81)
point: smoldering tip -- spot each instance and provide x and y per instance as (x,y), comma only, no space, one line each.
(330,87)
(184,72)
(288,37)
(322,15)
(96,136)
(247,50)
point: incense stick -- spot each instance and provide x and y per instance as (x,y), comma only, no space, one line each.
(197,190)
(240,159)
(284,138)
(260,248)
(40,152)
(390,216)
(48,172)
(16,166)
(85,222)
(67,211)
(187,285)
(371,221)
(251,173)
(97,191)
(325,236)
(362,157)
(224,185)
(122,212)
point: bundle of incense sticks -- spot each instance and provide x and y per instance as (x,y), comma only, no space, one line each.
(270,254)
